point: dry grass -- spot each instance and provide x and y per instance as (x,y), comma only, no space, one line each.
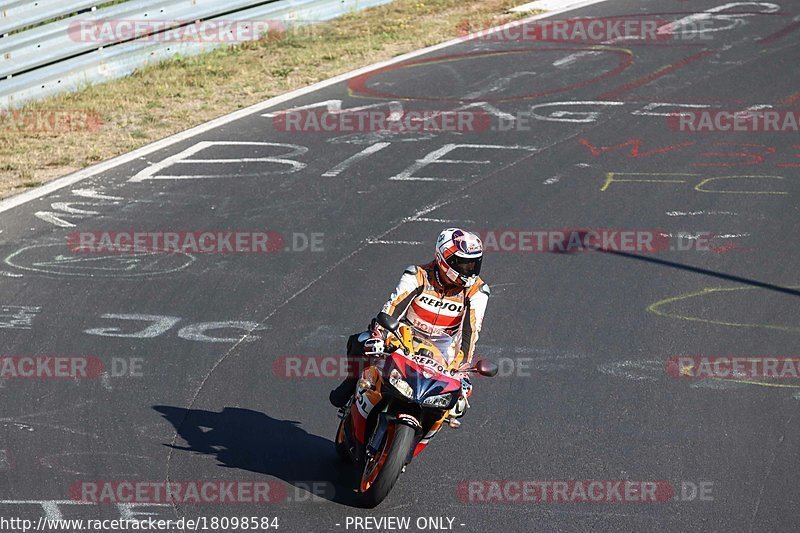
(172,96)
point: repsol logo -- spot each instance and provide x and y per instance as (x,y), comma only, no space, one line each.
(448,306)
(430,363)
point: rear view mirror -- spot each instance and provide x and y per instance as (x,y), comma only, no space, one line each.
(484,367)
(388,321)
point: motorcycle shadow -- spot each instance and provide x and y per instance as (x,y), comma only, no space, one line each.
(253,441)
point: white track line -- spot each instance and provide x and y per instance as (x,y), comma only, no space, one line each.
(439,220)
(546,5)
(696,213)
(71,179)
(382,241)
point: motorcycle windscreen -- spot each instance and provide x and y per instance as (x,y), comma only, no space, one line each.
(445,344)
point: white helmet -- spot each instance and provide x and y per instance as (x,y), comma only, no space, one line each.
(458,255)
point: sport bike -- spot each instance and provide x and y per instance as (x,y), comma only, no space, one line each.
(401,401)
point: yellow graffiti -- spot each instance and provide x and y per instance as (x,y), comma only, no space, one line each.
(656,309)
(610,178)
(762,383)
(699,186)
(686,370)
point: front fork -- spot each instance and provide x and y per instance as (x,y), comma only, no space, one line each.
(381,428)
(385,419)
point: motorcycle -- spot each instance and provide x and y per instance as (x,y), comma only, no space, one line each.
(400,402)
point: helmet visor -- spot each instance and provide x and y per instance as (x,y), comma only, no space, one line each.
(466,266)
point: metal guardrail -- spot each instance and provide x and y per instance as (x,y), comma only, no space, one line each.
(24,13)
(46,60)
(26,50)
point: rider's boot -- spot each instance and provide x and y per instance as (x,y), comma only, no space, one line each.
(341,394)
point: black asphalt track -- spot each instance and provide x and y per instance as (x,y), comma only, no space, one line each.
(583,338)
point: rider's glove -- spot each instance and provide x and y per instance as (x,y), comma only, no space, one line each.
(374,347)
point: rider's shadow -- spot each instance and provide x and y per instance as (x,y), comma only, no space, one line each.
(249,440)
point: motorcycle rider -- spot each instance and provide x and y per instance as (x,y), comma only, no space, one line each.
(443,297)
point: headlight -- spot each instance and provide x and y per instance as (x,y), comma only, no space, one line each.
(441,401)
(397,381)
